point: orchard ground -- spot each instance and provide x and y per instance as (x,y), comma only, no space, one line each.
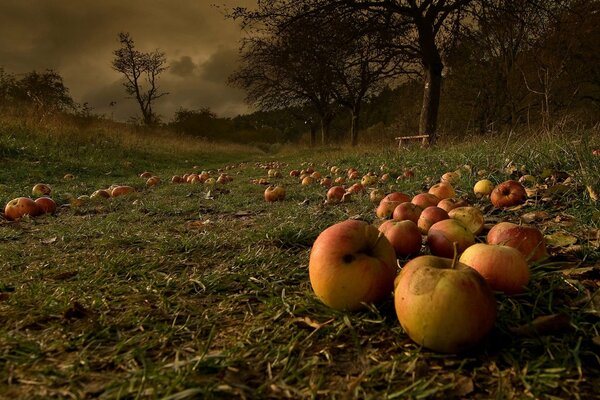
(184,292)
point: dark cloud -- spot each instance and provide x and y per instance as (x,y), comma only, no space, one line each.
(77,40)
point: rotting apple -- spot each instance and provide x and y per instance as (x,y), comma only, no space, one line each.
(503,267)
(41,189)
(444,305)
(469,216)
(386,206)
(19,207)
(351,264)
(274,193)
(376,195)
(507,194)
(121,190)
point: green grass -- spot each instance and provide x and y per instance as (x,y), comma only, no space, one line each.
(176,294)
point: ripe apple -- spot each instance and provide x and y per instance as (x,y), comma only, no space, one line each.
(503,267)
(471,217)
(335,194)
(376,196)
(145,175)
(326,182)
(408,173)
(273,173)
(368,180)
(203,176)
(529,240)
(430,216)
(294,173)
(316,175)
(385,177)
(177,179)
(507,194)
(443,304)
(307,181)
(20,206)
(407,211)
(340,180)
(351,263)
(100,194)
(121,190)
(442,190)
(356,188)
(425,200)
(274,193)
(334,170)
(451,202)
(386,206)
(41,189)
(483,188)
(46,205)
(404,236)
(443,234)
(153,181)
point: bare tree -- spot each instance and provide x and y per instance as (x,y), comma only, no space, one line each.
(141,71)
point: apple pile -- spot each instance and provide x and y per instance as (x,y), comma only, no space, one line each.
(444,300)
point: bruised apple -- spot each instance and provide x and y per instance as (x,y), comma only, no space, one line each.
(471,217)
(41,189)
(443,304)
(529,240)
(404,236)
(507,194)
(503,267)
(376,195)
(17,208)
(351,263)
(274,193)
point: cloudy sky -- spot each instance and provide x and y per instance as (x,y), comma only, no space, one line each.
(76,38)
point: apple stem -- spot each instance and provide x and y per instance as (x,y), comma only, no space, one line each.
(455,258)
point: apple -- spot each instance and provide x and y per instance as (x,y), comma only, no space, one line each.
(351,264)
(471,217)
(100,194)
(334,170)
(443,234)
(274,193)
(385,177)
(368,180)
(273,173)
(177,179)
(443,305)
(294,173)
(335,194)
(430,216)
(507,194)
(121,190)
(41,189)
(224,179)
(376,196)
(351,172)
(356,188)
(20,206)
(425,200)
(46,205)
(307,181)
(404,236)
(451,177)
(153,181)
(69,177)
(503,267)
(407,211)
(529,240)
(408,173)
(340,180)
(316,175)
(354,175)
(442,190)
(451,202)
(203,176)
(326,182)
(386,206)
(483,188)
(145,175)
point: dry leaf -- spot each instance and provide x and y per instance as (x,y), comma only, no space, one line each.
(544,325)
(312,323)
(534,216)
(49,240)
(592,192)
(464,386)
(560,239)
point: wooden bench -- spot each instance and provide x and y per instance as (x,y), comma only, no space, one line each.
(424,139)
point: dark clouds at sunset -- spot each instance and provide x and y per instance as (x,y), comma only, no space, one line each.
(77,37)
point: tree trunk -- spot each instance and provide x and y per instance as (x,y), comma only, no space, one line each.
(313,135)
(431,100)
(354,125)
(325,124)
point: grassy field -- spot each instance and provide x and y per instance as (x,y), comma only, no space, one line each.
(180,292)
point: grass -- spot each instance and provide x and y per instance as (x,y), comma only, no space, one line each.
(178,293)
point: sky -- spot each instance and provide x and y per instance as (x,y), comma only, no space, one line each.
(77,38)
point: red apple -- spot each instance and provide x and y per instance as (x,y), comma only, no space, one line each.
(121,190)
(408,173)
(41,189)
(294,173)
(507,194)
(335,194)
(430,216)
(356,188)
(442,190)
(17,208)
(425,200)
(145,175)
(407,211)
(503,267)
(46,205)
(471,217)
(176,179)
(527,239)
(443,234)
(444,305)
(340,180)
(451,202)
(404,236)
(351,263)
(389,203)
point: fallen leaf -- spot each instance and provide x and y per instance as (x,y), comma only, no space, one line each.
(560,239)
(49,240)
(463,386)
(312,323)
(534,216)
(592,192)
(582,273)
(544,325)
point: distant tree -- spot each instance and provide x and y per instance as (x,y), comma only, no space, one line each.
(141,71)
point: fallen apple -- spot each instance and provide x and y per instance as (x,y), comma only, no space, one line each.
(41,189)
(451,203)
(507,194)
(19,207)
(386,206)
(430,216)
(376,195)
(469,216)
(442,190)
(425,200)
(407,211)
(483,188)
(351,264)
(335,194)
(274,193)
(503,267)
(443,234)
(404,236)
(121,190)
(444,305)
(529,240)
(46,205)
